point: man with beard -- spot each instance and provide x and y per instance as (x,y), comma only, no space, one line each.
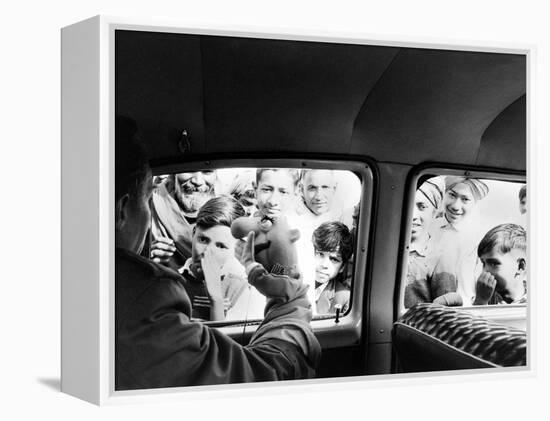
(176,203)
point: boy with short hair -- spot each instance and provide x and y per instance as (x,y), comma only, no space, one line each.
(333,245)
(276,191)
(502,252)
(214,279)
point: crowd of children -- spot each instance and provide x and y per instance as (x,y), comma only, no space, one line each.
(448,262)
(445,249)
(214,279)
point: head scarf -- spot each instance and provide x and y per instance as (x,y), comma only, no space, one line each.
(478,188)
(433,190)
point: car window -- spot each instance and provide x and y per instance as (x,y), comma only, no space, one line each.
(305,222)
(467,242)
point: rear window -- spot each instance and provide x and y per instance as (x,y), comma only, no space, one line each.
(313,210)
(466,241)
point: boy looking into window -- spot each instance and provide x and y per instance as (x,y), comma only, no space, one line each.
(175,206)
(214,279)
(275,191)
(502,252)
(333,245)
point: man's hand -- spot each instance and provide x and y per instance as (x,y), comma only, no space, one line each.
(162,250)
(244,250)
(485,286)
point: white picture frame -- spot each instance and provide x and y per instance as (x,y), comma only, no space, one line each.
(87,203)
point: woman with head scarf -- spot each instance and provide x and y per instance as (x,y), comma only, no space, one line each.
(456,232)
(425,282)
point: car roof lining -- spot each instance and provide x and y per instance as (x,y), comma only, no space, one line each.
(406,105)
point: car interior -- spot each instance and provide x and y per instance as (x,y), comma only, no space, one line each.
(384,119)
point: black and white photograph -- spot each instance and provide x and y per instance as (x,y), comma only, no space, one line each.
(306,209)
(294,209)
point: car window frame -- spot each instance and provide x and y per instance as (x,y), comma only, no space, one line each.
(349,324)
(415,174)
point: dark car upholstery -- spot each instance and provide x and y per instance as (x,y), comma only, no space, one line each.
(431,337)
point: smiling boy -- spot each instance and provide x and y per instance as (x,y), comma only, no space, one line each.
(275,191)
(502,252)
(458,234)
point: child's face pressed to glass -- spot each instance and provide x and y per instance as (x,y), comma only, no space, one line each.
(327,265)
(217,238)
(507,268)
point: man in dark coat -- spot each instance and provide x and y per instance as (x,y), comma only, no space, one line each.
(156,343)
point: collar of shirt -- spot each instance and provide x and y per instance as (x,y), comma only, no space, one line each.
(186,270)
(444,224)
(420,248)
(186,266)
(319,290)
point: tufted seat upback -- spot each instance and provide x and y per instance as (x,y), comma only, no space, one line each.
(431,337)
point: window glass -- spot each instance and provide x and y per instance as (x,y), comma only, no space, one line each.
(304,221)
(467,242)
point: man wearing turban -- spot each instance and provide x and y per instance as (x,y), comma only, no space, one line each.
(456,232)
(461,195)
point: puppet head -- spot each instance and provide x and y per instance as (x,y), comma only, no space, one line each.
(273,245)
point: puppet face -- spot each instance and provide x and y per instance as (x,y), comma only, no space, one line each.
(273,244)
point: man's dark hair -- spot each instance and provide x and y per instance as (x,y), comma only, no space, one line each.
(131,163)
(334,237)
(522,192)
(294,174)
(221,210)
(503,238)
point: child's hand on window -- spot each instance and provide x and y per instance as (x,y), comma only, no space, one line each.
(211,268)
(485,286)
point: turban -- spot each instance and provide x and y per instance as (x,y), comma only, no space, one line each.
(433,191)
(479,188)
